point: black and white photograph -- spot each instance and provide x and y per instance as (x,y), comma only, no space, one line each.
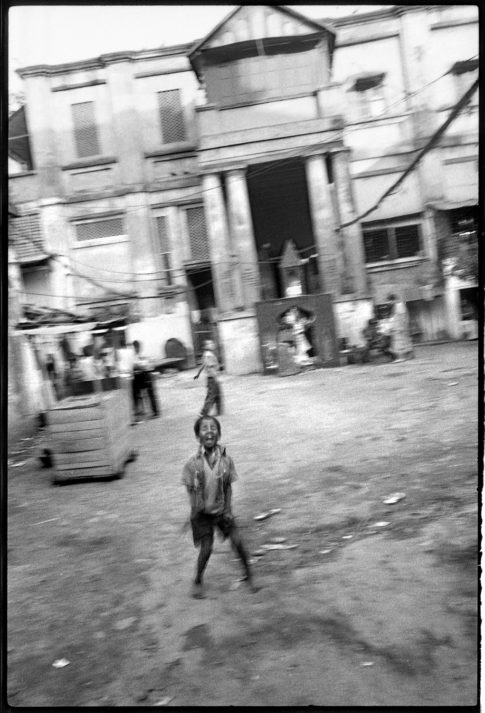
(242,407)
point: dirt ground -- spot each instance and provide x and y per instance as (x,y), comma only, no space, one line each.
(357,613)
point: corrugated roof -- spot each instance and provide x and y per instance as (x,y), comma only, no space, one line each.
(26,236)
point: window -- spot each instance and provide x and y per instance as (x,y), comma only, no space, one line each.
(370,95)
(391,242)
(199,245)
(165,252)
(171,116)
(98,229)
(85,131)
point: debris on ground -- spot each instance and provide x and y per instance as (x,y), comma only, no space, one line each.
(367,663)
(382,523)
(453,383)
(61,663)
(278,540)
(325,552)
(165,701)
(279,547)
(265,515)
(394,498)
(124,623)
(347,537)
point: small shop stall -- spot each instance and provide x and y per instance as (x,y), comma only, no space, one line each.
(88,425)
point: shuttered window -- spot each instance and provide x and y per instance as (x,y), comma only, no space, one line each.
(97,229)
(85,130)
(165,252)
(199,245)
(171,116)
(407,241)
(391,242)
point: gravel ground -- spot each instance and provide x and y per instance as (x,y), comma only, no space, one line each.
(358,613)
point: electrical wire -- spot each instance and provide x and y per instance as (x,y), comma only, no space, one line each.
(294,153)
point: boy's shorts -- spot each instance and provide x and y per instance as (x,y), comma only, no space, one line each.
(203,525)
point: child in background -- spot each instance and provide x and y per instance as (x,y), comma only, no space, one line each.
(214,392)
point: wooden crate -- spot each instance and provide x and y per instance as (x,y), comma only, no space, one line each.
(90,435)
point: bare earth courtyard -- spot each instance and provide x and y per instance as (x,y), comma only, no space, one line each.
(358,613)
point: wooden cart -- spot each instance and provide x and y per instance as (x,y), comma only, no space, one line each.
(90,436)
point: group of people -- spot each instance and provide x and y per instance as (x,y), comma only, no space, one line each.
(391,335)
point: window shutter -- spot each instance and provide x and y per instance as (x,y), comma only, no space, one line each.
(97,229)
(171,116)
(376,245)
(199,245)
(85,131)
(164,246)
(407,241)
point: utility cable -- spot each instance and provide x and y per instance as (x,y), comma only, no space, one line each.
(429,145)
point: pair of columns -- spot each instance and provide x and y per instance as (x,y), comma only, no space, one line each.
(233,251)
(231,239)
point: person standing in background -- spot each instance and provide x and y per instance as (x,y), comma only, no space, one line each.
(401,342)
(142,381)
(214,392)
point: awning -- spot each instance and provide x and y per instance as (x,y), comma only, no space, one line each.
(49,329)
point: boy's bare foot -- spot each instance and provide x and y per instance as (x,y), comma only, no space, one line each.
(198,591)
(251,586)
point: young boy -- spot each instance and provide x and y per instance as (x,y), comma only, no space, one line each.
(214,391)
(208,477)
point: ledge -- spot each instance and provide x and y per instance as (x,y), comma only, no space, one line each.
(21,174)
(180,147)
(79,85)
(395,264)
(89,163)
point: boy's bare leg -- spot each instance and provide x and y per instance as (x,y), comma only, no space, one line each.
(238,547)
(204,554)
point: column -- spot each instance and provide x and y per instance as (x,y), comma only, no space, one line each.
(352,235)
(242,235)
(329,262)
(125,122)
(228,296)
(44,134)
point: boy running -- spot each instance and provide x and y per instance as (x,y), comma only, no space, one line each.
(208,477)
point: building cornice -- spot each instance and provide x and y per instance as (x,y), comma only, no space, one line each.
(103,60)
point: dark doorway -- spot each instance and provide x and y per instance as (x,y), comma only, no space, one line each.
(280,211)
(201,281)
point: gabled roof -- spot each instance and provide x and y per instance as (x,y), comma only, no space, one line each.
(316,25)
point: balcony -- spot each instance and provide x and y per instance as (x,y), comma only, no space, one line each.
(272,124)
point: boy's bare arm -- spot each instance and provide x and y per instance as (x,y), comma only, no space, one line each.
(228,500)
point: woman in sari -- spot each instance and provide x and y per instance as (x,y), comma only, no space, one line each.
(401,342)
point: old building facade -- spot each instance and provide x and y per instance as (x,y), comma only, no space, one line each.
(167,184)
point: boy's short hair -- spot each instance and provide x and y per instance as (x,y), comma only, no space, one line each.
(197,424)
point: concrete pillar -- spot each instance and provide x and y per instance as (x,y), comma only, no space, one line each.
(242,235)
(226,290)
(323,222)
(453,307)
(54,233)
(143,263)
(352,235)
(125,122)
(430,236)
(41,123)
